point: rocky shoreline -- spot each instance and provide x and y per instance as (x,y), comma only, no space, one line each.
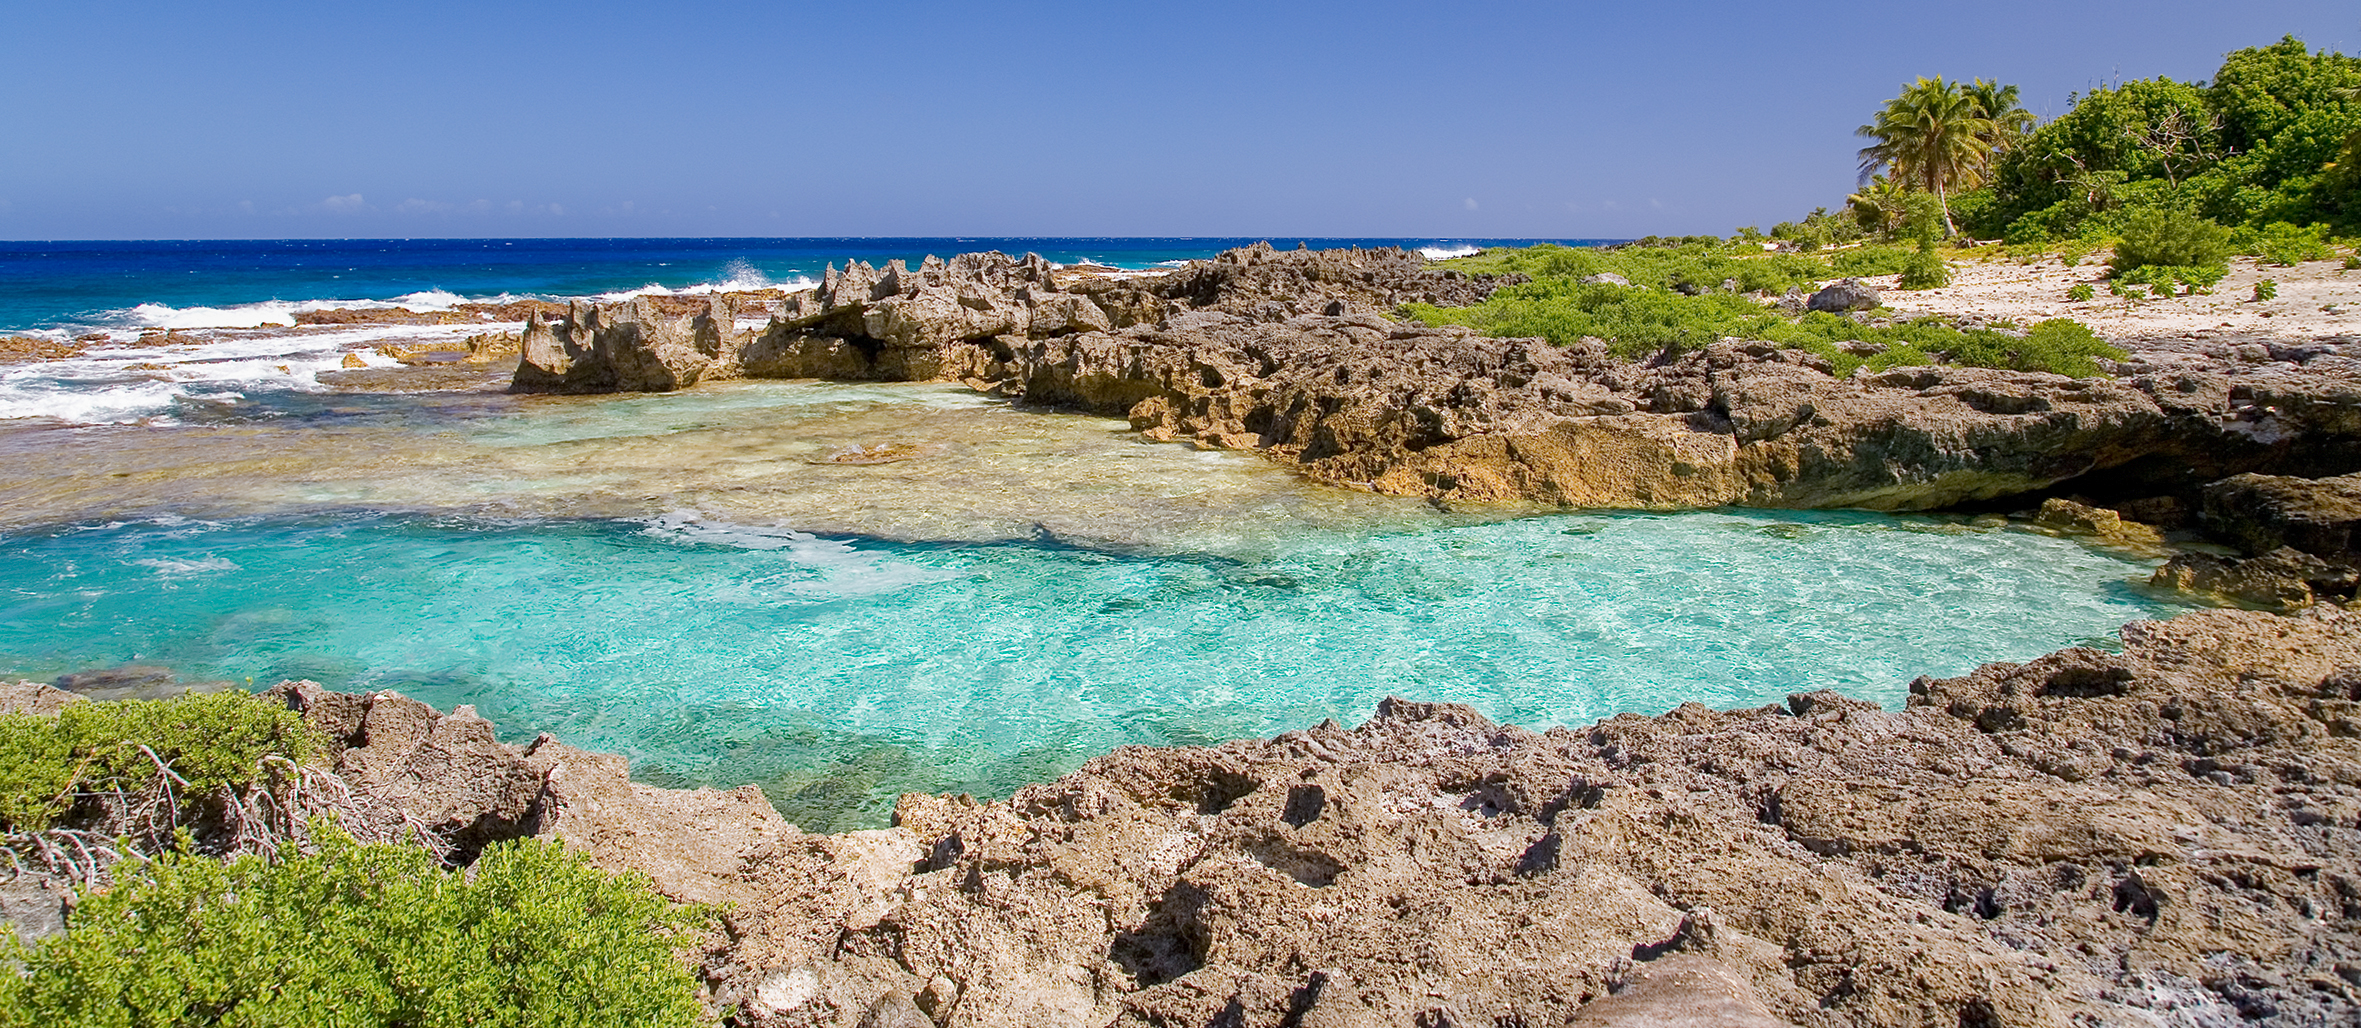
(2166,835)
(1290,354)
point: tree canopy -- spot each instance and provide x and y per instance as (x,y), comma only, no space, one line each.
(2274,137)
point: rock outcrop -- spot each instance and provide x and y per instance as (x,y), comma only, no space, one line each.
(2261,513)
(1851,294)
(2167,835)
(627,347)
(1290,354)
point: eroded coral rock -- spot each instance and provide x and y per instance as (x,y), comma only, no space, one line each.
(2169,832)
(1290,354)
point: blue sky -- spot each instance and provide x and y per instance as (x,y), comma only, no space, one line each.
(1373,118)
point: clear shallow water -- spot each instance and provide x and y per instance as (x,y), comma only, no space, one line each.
(839,672)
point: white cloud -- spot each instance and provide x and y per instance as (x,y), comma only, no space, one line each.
(415,205)
(245,206)
(558,209)
(480,207)
(516,207)
(344,204)
(1471,203)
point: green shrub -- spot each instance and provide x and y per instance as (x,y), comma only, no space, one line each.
(2266,290)
(2352,261)
(2060,346)
(1635,322)
(2165,280)
(2080,292)
(361,936)
(2169,238)
(1652,317)
(2287,246)
(1925,270)
(211,739)
(1866,261)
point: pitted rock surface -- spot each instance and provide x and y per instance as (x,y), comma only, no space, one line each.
(2169,835)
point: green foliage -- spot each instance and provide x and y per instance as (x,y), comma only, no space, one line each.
(1935,137)
(2287,245)
(1867,261)
(361,936)
(2167,279)
(1925,270)
(2170,239)
(2080,292)
(1650,318)
(2268,141)
(211,739)
(2352,262)
(1687,266)
(2266,290)
(1818,229)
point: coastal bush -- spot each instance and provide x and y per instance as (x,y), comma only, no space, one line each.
(2266,290)
(1689,267)
(2081,291)
(361,936)
(1635,321)
(2269,139)
(2169,238)
(2287,245)
(1866,261)
(1925,270)
(2165,280)
(2352,262)
(209,740)
(1655,316)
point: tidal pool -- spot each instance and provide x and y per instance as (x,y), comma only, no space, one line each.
(838,672)
(694,580)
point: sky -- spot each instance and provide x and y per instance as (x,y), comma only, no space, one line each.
(1372,118)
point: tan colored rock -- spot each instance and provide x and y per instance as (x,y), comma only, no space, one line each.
(2099,522)
(34,698)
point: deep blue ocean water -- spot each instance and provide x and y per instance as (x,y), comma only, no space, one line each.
(70,285)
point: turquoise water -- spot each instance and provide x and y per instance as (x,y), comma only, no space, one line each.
(840,671)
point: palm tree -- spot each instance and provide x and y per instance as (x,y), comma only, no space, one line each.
(1935,136)
(2011,123)
(1878,206)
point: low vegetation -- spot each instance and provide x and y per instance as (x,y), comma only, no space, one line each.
(1669,305)
(135,800)
(191,746)
(361,936)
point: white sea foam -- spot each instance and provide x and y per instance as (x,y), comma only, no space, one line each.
(434,300)
(132,381)
(171,567)
(737,277)
(843,570)
(1444,253)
